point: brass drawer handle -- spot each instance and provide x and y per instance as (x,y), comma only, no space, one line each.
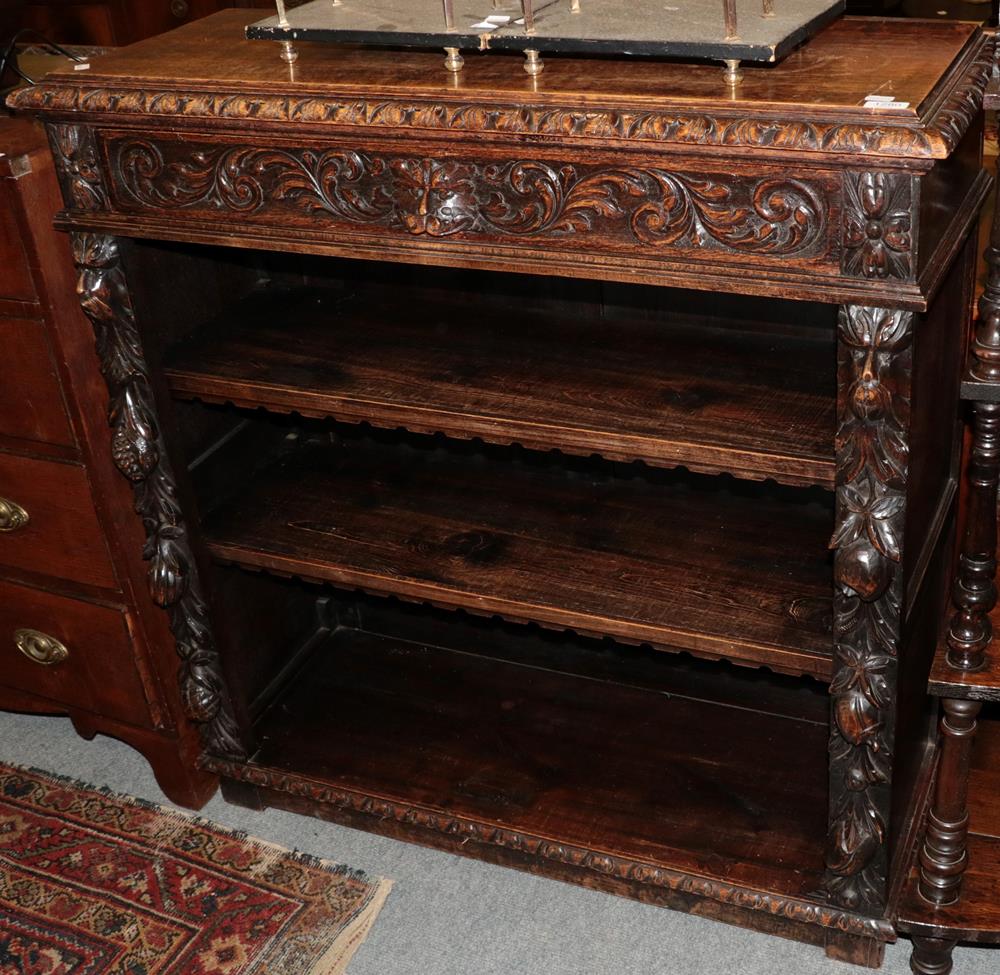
(12,515)
(40,647)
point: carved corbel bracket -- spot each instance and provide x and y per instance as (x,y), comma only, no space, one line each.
(874,364)
(138,453)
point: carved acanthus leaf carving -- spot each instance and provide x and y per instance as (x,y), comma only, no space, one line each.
(877,225)
(953,118)
(138,454)
(872,462)
(449,196)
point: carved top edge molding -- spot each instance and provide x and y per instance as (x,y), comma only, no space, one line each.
(934,137)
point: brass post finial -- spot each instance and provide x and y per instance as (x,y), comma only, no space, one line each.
(729,7)
(529,17)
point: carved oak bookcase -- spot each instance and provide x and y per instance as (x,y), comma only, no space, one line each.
(451,403)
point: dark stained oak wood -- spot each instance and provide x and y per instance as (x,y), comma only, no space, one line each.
(632,172)
(674,392)
(483,171)
(720,572)
(976,916)
(631,773)
(832,74)
(977,685)
(984,778)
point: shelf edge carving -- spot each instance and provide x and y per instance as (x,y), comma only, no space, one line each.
(621,868)
(874,366)
(137,451)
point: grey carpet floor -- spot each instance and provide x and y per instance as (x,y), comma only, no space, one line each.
(450,916)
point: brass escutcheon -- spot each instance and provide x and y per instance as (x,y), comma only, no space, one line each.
(40,647)
(12,515)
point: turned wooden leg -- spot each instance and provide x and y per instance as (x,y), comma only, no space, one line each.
(943,855)
(975,591)
(931,956)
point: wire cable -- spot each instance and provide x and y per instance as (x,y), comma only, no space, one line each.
(8,50)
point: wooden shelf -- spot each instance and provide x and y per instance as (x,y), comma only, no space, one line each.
(980,685)
(718,567)
(453,748)
(679,392)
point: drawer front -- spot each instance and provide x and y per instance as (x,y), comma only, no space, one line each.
(71,652)
(534,202)
(15,276)
(31,402)
(48,524)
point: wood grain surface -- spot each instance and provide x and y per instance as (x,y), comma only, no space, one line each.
(721,570)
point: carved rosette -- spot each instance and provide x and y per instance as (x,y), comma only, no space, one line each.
(138,453)
(877,231)
(443,197)
(75,153)
(874,365)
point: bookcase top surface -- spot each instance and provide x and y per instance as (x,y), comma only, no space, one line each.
(933,72)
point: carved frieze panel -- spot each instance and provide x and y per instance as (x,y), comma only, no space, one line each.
(620,207)
(873,404)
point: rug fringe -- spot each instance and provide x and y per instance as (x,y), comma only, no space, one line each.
(338,956)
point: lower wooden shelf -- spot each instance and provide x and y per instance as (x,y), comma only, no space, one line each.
(640,782)
(720,569)
(977,685)
(976,916)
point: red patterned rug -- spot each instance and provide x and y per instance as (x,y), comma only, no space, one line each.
(93,883)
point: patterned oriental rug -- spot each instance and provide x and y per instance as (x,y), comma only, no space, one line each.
(93,883)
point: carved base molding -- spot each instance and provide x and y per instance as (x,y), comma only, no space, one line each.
(138,453)
(461,830)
